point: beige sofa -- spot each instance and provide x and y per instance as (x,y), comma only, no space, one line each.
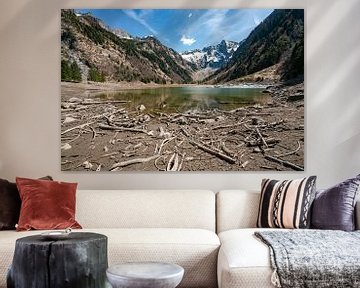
(175,226)
(243,261)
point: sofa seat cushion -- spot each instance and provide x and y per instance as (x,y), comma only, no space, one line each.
(244,261)
(194,249)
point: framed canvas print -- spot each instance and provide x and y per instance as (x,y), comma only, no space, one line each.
(182,90)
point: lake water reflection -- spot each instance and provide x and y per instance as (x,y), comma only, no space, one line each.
(182,99)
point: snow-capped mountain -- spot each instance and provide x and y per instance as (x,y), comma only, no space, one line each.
(214,57)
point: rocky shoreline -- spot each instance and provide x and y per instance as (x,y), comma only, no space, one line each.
(105,136)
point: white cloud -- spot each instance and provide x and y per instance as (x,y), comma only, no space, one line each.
(257,21)
(187,41)
(211,24)
(140,19)
(190,14)
(215,25)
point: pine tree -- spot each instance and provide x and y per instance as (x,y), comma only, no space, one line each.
(75,72)
(96,76)
(70,72)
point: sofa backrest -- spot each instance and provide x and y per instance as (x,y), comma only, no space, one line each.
(239,209)
(236,209)
(146,209)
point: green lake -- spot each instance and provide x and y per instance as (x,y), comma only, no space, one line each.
(181,99)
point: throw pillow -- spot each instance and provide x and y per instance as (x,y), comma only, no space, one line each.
(10,204)
(46,204)
(286,204)
(334,208)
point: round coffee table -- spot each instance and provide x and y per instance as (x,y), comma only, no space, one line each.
(145,275)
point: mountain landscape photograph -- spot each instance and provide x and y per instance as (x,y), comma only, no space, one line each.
(182,90)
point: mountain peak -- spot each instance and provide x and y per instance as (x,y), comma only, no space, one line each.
(214,56)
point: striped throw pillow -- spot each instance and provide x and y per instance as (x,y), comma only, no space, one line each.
(286,204)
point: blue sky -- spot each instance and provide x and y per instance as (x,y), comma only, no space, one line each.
(184,29)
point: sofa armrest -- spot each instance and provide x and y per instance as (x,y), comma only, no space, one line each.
(357,215)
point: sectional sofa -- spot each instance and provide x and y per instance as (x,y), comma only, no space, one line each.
(210,235)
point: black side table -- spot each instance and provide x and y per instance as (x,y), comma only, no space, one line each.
(78,261)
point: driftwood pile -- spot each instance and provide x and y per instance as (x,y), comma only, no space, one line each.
(105,135)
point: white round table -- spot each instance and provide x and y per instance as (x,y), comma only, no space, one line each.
(145,275)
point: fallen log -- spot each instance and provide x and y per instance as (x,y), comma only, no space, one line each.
(173,163)
(134,161)
(164,142)
(109,154)
(156,163)
(260,142)
(77,127)
(227,150)
(94,132)
(261,137)
(186,133)
(104,102)
(182,161)
(117,128)
(284,163)
(243,165)
(291,152)
(231,125)
(213,152)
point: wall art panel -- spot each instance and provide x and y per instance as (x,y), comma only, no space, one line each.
(182,90)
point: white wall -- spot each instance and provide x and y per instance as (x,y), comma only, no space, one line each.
(30,89)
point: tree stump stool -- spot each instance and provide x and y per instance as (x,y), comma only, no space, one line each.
(78,261)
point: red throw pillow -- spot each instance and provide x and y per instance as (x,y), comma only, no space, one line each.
(10,204)
(46,204)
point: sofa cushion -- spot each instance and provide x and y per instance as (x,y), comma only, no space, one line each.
(194,249)
(286,204)
(334,208)
(146,209)
(10,204)
(46,204)
(244,260)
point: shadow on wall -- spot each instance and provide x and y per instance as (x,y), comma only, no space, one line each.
(337,36)
(333,64)
(337,74)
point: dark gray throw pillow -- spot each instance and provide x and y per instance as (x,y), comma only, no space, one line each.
(9,205)
(334,208)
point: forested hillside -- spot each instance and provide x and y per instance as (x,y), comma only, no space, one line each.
(101,54)
(278,39)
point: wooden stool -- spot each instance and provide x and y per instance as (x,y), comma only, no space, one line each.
(78,261)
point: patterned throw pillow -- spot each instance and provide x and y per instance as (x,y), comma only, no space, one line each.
(286,204)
